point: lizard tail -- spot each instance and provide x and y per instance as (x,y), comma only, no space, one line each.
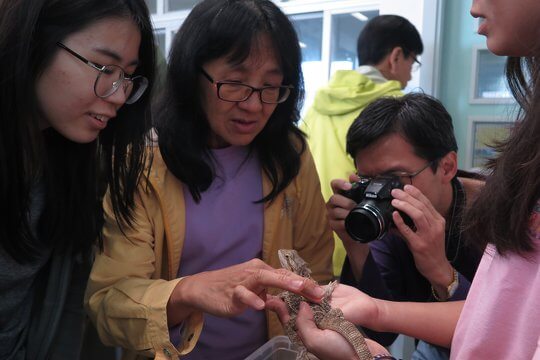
(349,332)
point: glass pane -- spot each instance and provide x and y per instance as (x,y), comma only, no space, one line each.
(345,31)
(486,134)
(175,5)
(161,57)
(491,82)
(160,39)
(152,5)
(309,30)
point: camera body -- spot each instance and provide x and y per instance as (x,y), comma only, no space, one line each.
(371,218)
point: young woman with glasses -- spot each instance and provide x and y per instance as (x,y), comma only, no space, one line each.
(61,125)
(232,182)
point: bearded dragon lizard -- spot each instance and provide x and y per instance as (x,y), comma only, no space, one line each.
(324,315)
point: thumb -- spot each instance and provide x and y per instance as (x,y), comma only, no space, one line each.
(338,185)
(305,322)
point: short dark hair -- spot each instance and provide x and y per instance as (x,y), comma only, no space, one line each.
(231,28)
(421,119)
(382,34)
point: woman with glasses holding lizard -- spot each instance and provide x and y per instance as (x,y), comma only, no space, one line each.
(232,182)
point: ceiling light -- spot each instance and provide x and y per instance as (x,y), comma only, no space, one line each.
(358,15)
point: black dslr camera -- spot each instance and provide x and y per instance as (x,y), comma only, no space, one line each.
(372,216)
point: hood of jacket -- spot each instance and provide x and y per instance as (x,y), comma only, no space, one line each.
(350,91)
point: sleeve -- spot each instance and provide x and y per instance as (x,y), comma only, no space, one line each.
(313,237)
(125,303)
(462,290)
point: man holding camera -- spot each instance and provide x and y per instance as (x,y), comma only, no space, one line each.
(387,47)
(405,147)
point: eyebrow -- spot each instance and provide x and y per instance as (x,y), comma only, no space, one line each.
(113,55)
(388,171)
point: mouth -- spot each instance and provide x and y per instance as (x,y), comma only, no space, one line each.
(243,125)
(100,118)
(481,25)
(244,121)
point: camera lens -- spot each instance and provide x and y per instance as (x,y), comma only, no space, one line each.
(365,223)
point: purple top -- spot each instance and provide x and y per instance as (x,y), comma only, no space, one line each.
(390,271)
(224,229)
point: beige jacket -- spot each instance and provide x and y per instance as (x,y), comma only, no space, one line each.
(132,280)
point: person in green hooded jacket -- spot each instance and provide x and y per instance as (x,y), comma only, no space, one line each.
(387,49)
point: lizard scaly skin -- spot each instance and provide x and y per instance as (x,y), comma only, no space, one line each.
(324,315)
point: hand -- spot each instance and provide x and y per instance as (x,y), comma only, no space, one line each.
(357,307)
(427,242)
(339,206)
(230,291)
(325,344)
(337,209)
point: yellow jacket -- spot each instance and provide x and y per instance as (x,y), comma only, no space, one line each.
(133,278)
(327,122)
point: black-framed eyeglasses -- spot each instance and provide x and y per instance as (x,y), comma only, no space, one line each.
(237,92)
(111,77)
(404,177)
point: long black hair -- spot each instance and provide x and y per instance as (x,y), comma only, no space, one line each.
(69,172)
(213,29)
(500,214)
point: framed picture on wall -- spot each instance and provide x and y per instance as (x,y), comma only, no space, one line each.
(484,132)
(488,82)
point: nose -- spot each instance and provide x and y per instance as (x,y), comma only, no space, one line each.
(120,96)
(474,10)
(253,103)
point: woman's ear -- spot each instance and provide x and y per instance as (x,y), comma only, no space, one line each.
(448,166)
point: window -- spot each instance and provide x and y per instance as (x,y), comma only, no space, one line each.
(309,28)
(327,32)
(488,79)
(160,39)
(344,33)
(176,5)
(152,6)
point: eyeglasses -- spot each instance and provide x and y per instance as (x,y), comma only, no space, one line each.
(238,92)
(111,77)
(416,64)
(404,177)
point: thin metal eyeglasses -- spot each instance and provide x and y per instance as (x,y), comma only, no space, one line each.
(403,175)
(416,64)
(237,92)
(111,77)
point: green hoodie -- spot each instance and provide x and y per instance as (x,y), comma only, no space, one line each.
(326,123)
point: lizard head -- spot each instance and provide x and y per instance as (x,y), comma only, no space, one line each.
(290,260)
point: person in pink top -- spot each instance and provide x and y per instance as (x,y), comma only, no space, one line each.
(500,319)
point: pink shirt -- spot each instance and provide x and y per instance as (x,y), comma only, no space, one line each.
(501,316)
